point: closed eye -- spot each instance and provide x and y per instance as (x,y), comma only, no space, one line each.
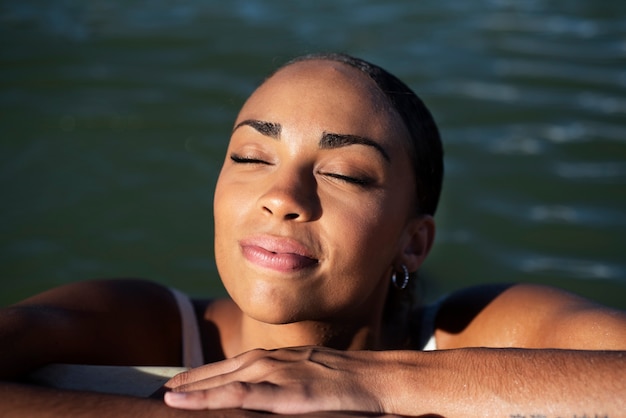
(359,181)
(247,160)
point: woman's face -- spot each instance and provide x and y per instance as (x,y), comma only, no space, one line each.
(314,198)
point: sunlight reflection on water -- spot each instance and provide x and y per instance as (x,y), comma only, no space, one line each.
(115,117)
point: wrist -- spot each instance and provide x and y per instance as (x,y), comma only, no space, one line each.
(426,382)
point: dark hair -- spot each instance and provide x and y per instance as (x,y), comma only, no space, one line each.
(425,147)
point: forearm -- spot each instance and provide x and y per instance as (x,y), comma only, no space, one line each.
(507,382)
(20,400)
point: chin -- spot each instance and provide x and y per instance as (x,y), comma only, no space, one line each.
(276,310)
(275,319)
(274,313)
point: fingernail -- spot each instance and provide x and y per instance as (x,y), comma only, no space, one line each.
(175,397)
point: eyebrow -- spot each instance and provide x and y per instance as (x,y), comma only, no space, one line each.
(331,140)
(328,141)
(270,129)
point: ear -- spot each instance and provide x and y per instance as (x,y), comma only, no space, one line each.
(417,241)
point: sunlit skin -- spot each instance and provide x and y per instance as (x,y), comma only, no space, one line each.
(314,208)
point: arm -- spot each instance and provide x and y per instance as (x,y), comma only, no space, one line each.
(528,316)
(30,401)
(567,365)
(461,382)
(516,382)
(115,322)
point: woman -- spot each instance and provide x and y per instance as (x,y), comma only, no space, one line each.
(323,211)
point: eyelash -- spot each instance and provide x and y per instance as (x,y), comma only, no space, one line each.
(363,182)
(358,181)
(247,160)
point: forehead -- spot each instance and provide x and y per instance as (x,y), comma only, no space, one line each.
(324,95)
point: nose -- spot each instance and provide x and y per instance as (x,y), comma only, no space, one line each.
(291,197)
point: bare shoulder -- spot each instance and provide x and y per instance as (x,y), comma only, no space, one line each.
(528,316)
(118,303)
(94,294)
(121,321)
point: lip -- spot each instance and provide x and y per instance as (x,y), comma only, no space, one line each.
(281,254)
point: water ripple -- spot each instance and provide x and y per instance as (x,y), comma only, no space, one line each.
(554,24)
(592,170)
(559,71)
(602,103)
(584,131)
(562,213)
(568,267)
(490,91)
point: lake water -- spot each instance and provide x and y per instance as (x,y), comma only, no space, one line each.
(114,117)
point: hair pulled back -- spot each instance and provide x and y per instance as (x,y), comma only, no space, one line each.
(426,150)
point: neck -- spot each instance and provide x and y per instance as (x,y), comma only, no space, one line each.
(254,334)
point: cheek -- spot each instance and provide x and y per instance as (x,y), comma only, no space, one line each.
(220,211)
(364,247)
(228,207)
(366,236)
(229,199)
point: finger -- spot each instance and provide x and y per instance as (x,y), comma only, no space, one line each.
(222,367)
(252,396)
(254,366)
(204,372)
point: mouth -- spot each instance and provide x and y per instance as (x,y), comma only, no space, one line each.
(280,254)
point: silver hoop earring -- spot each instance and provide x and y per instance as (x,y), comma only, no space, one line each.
(405,282)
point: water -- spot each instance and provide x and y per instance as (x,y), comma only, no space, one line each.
(114,118)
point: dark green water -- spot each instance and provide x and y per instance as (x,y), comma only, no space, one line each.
(114,117)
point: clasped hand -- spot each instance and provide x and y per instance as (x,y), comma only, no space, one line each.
(285,381)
